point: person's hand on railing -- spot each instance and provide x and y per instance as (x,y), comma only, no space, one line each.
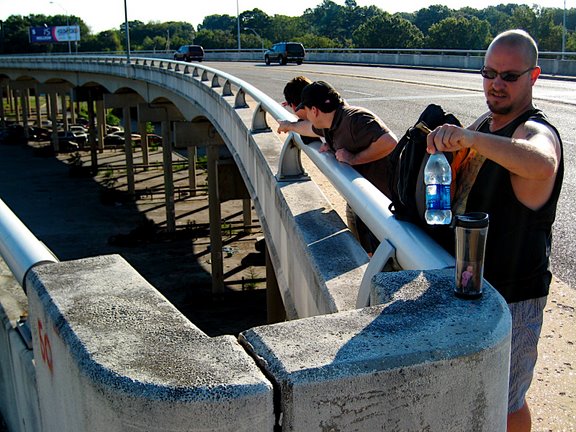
(344,156)
(285,126)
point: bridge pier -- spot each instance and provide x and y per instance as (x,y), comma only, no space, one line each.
(165,113)
(126,101)
(3,89)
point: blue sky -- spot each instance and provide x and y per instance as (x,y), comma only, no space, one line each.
(106,14)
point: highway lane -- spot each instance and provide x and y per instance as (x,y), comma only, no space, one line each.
(398,96)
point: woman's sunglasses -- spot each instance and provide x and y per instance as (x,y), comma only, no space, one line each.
(506,76)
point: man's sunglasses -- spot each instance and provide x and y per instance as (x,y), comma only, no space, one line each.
(506,76)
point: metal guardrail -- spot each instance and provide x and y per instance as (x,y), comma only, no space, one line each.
(20,249)
(412,248)
(425,51)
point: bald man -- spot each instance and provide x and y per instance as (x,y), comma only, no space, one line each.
(519,155)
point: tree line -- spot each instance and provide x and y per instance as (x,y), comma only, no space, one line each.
(328,25)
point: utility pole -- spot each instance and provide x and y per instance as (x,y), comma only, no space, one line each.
(127,30)
(238,24)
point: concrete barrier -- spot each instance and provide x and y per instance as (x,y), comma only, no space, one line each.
(424,360)
(112,354)
(18,394)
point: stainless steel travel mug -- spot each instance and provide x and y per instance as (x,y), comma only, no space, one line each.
(471,232)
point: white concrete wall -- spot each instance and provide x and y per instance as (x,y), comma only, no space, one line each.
(423,361)
(113,355)
(18,394)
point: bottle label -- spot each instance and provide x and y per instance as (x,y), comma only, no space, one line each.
(437,197)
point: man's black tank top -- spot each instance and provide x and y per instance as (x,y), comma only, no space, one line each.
(519,239)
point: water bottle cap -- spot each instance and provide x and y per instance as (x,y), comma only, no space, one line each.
(472,220)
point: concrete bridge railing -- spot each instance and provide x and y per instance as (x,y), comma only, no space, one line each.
(112,354)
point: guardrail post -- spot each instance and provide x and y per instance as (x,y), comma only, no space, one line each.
(290,164)
(240,101)
(259,123)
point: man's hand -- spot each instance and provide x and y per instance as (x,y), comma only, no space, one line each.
(324,148)
(344,156)
(285,126)
(449,138)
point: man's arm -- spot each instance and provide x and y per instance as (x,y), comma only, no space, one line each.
(532,155)
(380,148)
(302,127)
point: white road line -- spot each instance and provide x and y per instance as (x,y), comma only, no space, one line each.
(357,92)
(431,97)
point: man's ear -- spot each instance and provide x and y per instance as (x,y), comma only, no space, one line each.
(535,74)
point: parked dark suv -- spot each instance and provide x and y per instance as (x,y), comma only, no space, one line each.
(284,52)
(189,53)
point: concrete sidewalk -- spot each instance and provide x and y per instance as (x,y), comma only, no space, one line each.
(69,216)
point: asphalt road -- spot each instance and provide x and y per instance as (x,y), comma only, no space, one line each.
(398,96)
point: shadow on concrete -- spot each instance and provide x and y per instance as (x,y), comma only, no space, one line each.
(78,217)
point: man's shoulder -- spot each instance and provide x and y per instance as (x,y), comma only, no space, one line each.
(352,110)
(359,117)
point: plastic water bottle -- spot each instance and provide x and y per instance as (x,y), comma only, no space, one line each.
(438,176)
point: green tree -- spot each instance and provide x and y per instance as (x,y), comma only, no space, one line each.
(255,19)
(218,22)
(328,19)
(524,17)
(497,16)
(285,28)
(314,41)
(216,39)
(108,40)
(388,31)
(424,18)
(459,33)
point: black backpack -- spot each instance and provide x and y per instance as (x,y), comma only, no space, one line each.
(408,160)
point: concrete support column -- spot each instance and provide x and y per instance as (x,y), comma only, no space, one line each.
(54,120)
(21,89)
(16,107)
(215,221)
(64,111)
(192,150)
(11,99)
(168,176)
(25,110)
(72,110)
(274,305)
(48,106)
(28,102)
(128,150)
(92,134)
(144,143)
(38,108)
(164,113)
(100,123)
(2,113)
(52,91)
(247,215)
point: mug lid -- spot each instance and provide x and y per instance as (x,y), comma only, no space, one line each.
(472,220)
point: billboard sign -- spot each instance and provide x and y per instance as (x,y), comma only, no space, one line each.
(54,34)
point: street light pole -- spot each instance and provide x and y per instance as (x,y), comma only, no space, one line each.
(127,30)
(564,32)
(259,37)
(67,25)
(238,24)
